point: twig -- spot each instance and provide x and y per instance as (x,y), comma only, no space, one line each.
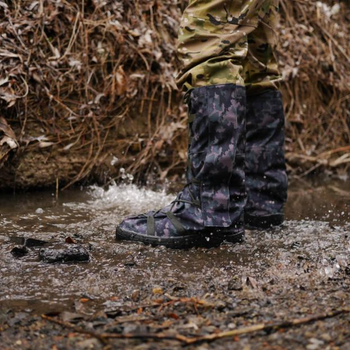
(270,327)
(105,336)
(74,328)
(335,43)
(208,338)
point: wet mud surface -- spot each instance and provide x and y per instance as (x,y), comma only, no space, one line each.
(120,289)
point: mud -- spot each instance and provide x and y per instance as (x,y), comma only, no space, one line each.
(298,270)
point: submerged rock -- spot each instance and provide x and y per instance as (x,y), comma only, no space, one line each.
(19,252)
(64,254)
(28,242)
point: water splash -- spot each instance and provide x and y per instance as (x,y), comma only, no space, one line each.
(129,197)
(311,247)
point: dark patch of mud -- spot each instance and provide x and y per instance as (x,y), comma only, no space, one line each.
(297,270)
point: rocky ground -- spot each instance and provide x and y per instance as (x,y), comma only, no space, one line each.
(287,288)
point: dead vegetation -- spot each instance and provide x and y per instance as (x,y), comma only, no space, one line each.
(315,60)
(93,81)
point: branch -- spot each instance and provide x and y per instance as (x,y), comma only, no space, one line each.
(103,337)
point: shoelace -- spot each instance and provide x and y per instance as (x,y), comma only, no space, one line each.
(173,219)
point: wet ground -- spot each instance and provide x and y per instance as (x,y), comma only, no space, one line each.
(299,270)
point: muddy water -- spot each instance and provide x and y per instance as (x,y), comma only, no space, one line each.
(311,247)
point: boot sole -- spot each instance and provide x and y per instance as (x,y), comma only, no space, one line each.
(200,240)
(263,222)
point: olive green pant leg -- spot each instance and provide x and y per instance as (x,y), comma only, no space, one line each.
(260,68)
(213,41)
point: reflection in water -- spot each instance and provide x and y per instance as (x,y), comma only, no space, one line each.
(311,246)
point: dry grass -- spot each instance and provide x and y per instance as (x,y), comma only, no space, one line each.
(315,59)
(96,78)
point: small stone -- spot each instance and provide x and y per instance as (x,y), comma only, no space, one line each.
(326,337)
(89,344)
(19,252)
(33,242)
(315,344)
(312,346)
(135,295)
(71,317)
(129,263)
(316,341)
(28,242)
(235,284)
(157,291)
(64,254)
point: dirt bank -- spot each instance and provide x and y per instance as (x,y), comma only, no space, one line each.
(85,84)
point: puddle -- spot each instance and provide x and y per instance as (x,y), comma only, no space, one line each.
(312,246)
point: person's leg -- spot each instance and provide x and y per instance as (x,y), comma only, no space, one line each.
(260,67)
(203,213)
(210,209)
(266,178)
(213,41)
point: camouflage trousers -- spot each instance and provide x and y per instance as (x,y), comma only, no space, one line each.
(229,42)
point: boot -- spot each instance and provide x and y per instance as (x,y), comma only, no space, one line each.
(210,208)
(266,178)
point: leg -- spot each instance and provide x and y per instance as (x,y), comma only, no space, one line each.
(266,178)
(260,68)
(210,209)
(203,213)
(213,41)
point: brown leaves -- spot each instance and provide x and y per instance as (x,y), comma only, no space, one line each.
(70,240)
(314,55)
(121,80)
(79,74)
(5,128)
(8,140)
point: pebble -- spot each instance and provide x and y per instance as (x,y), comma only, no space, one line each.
(235,284)
(64,254)
(315,344)
(157,291)
(135,295)
(19,252)
(89,344)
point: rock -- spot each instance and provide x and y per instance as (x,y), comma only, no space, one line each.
(19,252)
(32,242)
(157,291)
(71,317)
(135,295)
(64,254)
(89,344)
(315,344)
(235,284)
(129,262)
(326,337)
(231,325)
(113,308)
(28,242)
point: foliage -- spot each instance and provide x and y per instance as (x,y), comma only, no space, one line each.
(96,78)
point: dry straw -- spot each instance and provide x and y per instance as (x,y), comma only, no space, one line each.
(94,81)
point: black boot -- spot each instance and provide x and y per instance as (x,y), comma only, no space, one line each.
(266,178)
(210,208)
